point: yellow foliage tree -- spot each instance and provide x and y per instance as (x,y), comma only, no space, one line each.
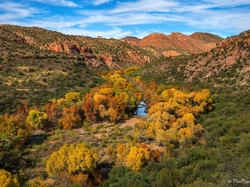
(72,159)
(122,151)
(113,114)
(173,119)
(7,180)
(113,101)
(72,97)
(37,118)
(137,158)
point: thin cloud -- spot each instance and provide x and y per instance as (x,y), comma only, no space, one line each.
(236,21)
(113,33)
(12,12)
(224,16)
(146,6)
(132,19)
(18,9)
(100,2)
(58,3)
(227,3)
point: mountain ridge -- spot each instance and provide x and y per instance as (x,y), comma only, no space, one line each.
(95,51)
(176,43)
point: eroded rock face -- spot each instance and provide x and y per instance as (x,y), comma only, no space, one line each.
(69,48)
(107,59)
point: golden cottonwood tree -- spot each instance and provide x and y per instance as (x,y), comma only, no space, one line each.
(72,159)
(7,180)
(173,119)
(37,118)
(137,157)
(72,97)
(122,151)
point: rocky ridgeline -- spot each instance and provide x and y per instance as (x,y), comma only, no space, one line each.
(177,44)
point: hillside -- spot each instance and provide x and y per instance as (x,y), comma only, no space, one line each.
(95,51)
(177,44)
(30,74)
(35,62)
(227,64)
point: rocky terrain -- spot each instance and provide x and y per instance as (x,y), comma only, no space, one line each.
(231,53)
(177,44)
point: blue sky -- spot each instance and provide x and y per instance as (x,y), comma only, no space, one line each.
(110,18)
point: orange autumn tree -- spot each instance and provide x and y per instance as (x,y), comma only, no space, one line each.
(54,113)
(64,112)
(113,101)
(70,117)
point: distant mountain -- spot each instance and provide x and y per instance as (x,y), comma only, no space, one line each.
(131,40)
(228,64)
(179,44)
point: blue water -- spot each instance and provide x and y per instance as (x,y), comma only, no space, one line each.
(141,110)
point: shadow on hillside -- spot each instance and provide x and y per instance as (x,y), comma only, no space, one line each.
(37,139)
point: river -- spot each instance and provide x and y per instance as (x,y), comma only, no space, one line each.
(141,111)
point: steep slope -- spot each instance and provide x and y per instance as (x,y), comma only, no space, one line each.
(178,44)
(228,62)
(30,74)
(226,65)
(95,51)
